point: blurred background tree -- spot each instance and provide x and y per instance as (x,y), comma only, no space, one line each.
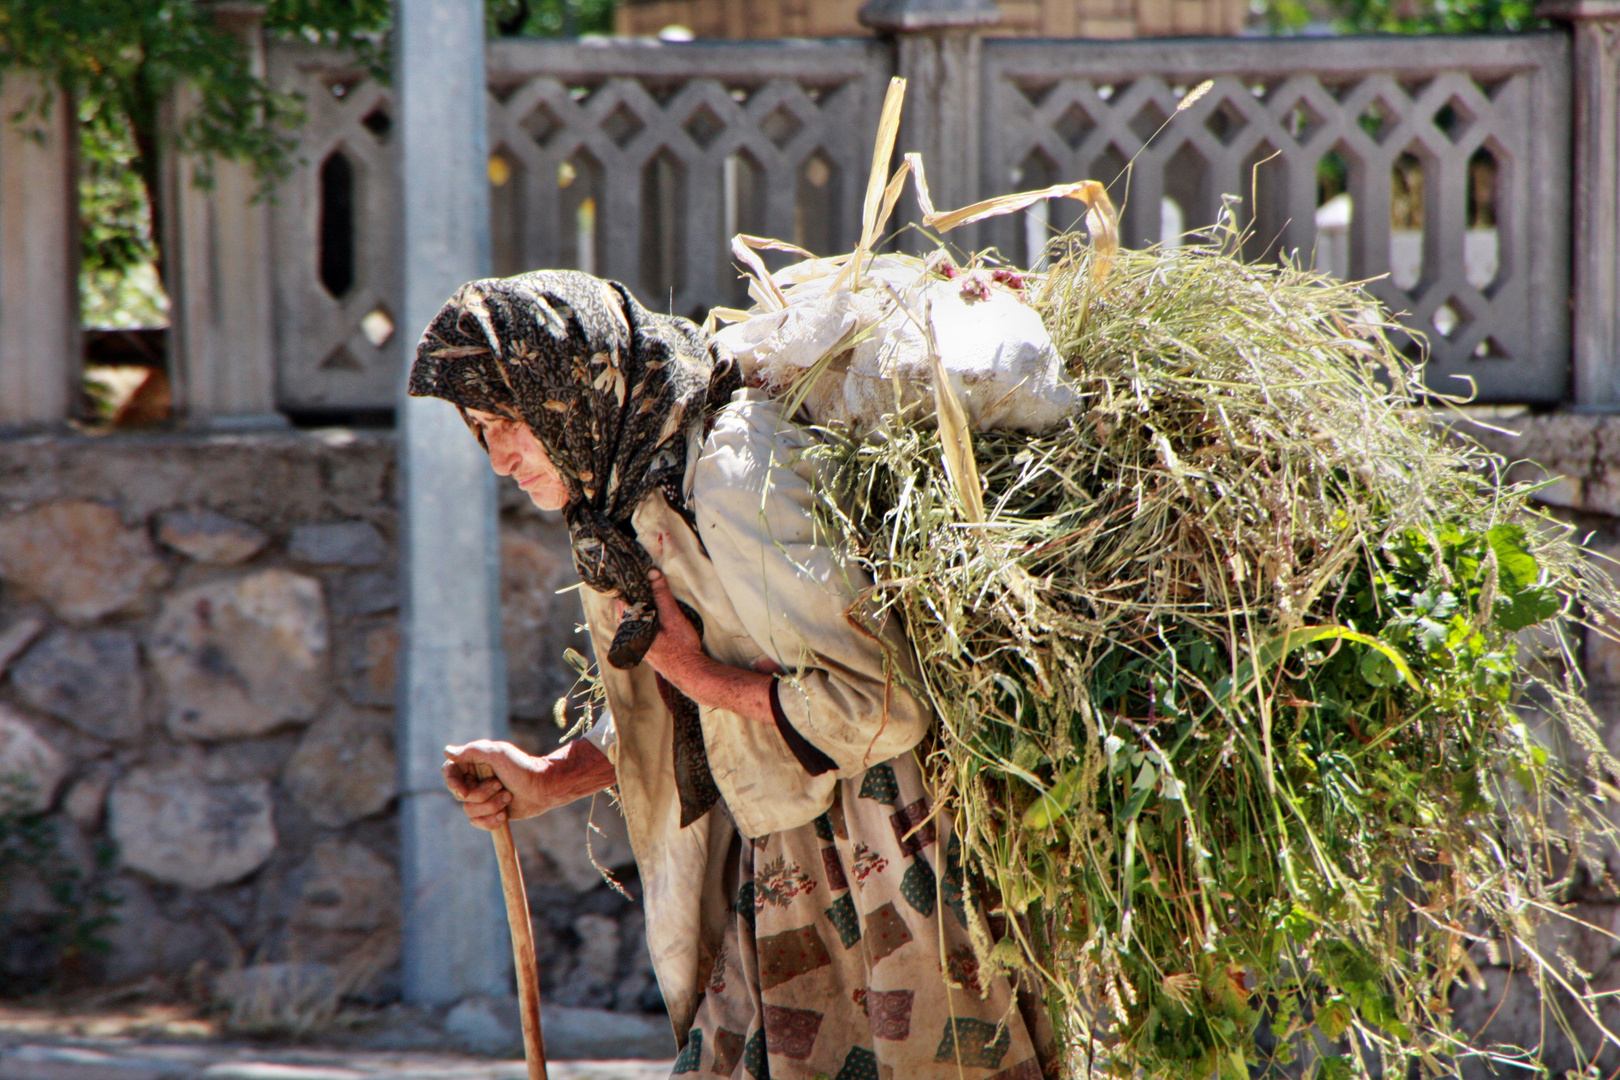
(119,61)
(549,18)
(1399,16)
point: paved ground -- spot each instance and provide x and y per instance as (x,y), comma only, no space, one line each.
(174,1061)
(168,1043)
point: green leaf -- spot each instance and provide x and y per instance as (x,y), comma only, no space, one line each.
(1055,801)
(1377,670)
(1138,799)
(1517,568)
(1435,605)
(1274,650)
(1525,608)
(1333,1019)
(1299,922)
(1333,1068)
(1432,635)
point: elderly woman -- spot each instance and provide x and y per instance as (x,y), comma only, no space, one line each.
(805,903)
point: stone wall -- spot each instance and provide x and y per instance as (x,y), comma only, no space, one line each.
(197,652)
(197,646)
(1577,458)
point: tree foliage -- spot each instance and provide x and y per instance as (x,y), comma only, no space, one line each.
(549,18)
(121,60)
(1406,16)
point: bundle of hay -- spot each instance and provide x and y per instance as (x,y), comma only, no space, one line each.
(1259,716)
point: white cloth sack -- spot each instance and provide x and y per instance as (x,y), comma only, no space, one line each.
(999,357)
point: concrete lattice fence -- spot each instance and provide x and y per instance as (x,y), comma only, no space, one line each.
(638,160)
(1480,125)
(1478,172)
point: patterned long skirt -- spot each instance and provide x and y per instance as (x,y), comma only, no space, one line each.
(845,955)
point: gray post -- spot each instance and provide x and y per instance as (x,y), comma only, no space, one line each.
(452,686)
(39,252)
(221,334)
(1595,26)
(937,45)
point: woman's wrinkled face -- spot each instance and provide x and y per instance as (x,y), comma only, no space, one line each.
(515,452)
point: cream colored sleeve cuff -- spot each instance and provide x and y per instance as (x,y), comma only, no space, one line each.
(604,735)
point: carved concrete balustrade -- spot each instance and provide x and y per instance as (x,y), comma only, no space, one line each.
(1471,131)
(1474,177)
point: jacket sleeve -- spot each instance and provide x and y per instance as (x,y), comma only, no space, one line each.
(846,686)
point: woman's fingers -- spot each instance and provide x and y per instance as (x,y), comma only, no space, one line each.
(489,823)
(458,785)
(678,639)
(485,802)
(461,763)
(663,599)
(465,787)
(515,791)
(480,752)
(490,813)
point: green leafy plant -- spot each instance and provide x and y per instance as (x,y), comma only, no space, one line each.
(1405,16)
(119,280)
(53,948)
(549,18)
(121,60)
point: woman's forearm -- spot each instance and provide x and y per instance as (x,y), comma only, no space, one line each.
(572,771)
(677,654)
(714,685)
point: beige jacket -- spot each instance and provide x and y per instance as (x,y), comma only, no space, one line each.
(768,587)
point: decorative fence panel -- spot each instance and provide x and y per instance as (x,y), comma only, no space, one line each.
(628,159)
(1442,163)
(639,161)
(335,231)
(1453,152)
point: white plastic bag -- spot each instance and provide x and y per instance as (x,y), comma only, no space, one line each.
(867,349)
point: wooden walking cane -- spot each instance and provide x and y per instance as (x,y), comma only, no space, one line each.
(517,915)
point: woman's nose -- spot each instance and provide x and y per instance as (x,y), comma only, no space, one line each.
(503,458)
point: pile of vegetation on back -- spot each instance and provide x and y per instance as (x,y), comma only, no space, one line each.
(1246,680)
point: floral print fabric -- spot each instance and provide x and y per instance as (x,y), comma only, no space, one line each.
(845,953)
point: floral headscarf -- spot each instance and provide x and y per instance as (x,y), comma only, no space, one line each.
(611,390)
(615,394)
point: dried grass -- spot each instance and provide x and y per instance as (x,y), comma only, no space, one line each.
(1259,708)
(1233,679)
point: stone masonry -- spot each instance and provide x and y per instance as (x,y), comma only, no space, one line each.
(198,636)
(197,654)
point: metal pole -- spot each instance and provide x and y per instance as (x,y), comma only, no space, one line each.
(452,682)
